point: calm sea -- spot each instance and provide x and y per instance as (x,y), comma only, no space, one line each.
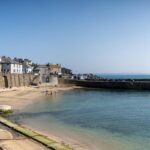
(111,119)
(125,76)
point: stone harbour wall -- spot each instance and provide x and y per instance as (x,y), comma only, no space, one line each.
(17,80)
(134,85)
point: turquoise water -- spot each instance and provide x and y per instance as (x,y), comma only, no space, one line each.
(111,119)
(125,76)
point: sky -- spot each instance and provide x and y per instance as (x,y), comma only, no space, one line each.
(87,36)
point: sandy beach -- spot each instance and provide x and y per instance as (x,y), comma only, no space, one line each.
(19,98)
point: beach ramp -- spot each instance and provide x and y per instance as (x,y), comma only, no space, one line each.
(49,143)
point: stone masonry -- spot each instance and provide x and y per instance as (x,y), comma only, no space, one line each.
(17,80)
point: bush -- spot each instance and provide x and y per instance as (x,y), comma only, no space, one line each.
(6,113)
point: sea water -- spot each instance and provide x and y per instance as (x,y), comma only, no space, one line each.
(98,119)
(123,76)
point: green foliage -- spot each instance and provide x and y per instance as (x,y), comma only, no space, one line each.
(34,65)
(48,64)
(6,113)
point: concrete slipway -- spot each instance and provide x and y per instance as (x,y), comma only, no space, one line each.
(51,144)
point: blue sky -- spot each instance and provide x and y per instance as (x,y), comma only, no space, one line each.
(99,36)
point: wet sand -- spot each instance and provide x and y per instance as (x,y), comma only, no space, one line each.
(23,96)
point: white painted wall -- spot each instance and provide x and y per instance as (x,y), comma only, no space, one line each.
(12,68)
(16,68)
(28,69)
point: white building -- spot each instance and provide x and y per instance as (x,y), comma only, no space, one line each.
(27,69)
(27,62)
(12,67)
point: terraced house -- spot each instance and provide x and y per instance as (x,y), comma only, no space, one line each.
(10,66)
